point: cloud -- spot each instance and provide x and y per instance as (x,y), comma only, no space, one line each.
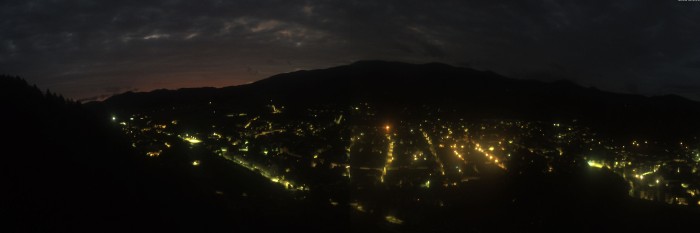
(70,46)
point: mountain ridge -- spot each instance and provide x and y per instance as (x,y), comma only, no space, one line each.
(398,88)
(563,82)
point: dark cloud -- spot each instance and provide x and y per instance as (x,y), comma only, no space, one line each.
(81,48)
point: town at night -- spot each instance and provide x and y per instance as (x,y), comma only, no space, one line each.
(350,116)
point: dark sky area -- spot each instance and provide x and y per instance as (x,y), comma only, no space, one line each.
(85,49)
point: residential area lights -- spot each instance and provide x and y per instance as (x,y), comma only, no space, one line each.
(424,151)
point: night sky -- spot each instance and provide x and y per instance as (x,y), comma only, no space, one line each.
(88,49)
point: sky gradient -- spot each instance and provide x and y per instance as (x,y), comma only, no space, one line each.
(92,49)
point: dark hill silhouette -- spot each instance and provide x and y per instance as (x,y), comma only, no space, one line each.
(63,170)
(395,86)
(66,169)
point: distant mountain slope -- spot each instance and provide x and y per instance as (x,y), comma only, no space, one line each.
(414,88)
(67,169)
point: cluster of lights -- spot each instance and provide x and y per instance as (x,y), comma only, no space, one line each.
(153,153)
(265,173)
(389,154)
(191,139)
(433,152)
(490,152)
(489,156)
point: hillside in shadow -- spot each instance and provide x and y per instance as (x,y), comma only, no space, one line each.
(402,88)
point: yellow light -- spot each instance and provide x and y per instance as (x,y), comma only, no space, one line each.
(394,220)
(192,140)
(491,148)
(426,184)
(357,206)
(153,153)
(195,163)
(387,127)
(595,164)
(333,203)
